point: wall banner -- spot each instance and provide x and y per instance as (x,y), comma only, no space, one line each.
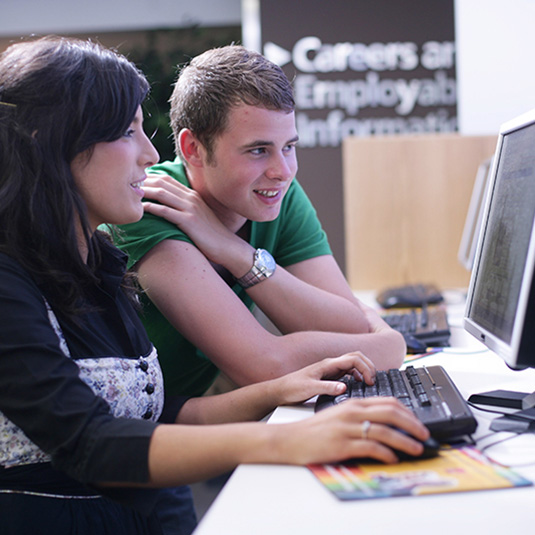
(359,68)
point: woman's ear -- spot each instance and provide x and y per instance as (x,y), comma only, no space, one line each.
(191,148)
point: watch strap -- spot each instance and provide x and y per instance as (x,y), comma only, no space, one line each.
(257,273)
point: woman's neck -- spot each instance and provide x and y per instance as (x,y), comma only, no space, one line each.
(83,247)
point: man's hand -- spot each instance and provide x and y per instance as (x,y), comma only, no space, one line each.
(185,208)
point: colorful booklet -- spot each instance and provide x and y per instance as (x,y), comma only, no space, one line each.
(454,470)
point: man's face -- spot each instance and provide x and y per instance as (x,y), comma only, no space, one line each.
(252,165)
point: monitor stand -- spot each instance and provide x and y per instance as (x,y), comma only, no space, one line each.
(517,422)
(504,398)
(521,421)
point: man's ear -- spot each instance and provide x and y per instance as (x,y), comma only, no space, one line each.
(191,148)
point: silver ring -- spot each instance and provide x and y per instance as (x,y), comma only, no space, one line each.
(366,424)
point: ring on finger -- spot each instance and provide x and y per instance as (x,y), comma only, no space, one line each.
(365,429)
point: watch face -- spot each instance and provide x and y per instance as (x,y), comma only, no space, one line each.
(265,261)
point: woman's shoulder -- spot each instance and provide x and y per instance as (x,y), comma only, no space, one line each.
(14,278)
(8,264)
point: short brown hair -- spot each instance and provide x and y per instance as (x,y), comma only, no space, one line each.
(219,79)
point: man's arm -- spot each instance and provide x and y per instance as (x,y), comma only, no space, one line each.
(313,295)
(309,295)
(197,302)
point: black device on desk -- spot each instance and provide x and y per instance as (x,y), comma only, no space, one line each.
(428,391)
(421,327)
(500,307)
(409,295)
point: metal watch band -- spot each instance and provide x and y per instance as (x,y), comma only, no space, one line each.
(263,267)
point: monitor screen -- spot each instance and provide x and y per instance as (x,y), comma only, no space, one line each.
(500,307)
(474,216)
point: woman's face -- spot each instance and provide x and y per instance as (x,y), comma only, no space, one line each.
(110,177)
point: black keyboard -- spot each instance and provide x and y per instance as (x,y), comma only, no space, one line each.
(426,326)
(428,391)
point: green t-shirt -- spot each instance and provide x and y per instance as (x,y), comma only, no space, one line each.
(295,235)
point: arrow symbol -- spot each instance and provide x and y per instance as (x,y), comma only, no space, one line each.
(277,54)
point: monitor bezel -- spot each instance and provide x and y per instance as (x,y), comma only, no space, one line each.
(474,215)
(515,352)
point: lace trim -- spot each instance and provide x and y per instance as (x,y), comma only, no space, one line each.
(132,387)
(47,495)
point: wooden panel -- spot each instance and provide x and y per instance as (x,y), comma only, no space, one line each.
(405,203)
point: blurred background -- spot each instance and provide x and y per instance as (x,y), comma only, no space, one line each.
(472,62)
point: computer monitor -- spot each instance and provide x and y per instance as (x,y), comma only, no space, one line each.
(500,308)
(474,216)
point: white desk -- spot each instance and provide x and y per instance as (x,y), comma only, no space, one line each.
(288,500)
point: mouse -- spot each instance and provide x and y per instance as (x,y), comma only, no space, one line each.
(411,295)
(431,449)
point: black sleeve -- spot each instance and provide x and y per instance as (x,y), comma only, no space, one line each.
(173,405)
(41,392)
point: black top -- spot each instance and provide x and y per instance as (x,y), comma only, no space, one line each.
(40,388)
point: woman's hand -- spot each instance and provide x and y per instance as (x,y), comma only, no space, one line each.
(254,401)
(321,378)
(358,428)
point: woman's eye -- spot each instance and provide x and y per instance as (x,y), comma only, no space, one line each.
(129,132)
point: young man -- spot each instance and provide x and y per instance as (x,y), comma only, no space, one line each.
(232,228)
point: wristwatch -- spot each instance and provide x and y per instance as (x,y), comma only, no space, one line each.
(263,267)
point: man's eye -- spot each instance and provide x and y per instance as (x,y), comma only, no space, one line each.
(290,147)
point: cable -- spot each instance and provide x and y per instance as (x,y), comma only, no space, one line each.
(482,449)
(501,441)
(501,413)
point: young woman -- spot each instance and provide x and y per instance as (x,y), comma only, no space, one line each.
(87,435)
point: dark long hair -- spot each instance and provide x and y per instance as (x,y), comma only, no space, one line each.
(58,98)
